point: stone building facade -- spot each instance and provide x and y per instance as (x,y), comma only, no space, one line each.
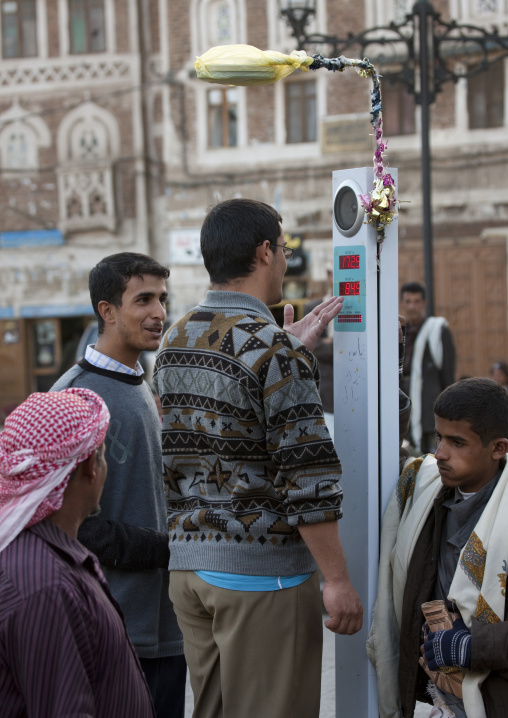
(280,143)
(80,161)
(108,142)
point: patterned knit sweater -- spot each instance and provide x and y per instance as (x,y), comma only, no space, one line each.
(247,455)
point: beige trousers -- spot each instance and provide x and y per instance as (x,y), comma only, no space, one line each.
(251,654)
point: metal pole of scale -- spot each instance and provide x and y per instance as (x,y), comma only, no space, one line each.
(366,413)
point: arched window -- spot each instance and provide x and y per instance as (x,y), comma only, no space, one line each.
(19,147)
(220,27)
(217,22)
(89,140)
(21,135)
(87,147)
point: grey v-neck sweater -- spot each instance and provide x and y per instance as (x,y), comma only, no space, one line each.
(131,529)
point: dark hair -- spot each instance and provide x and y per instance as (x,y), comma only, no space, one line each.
(230,234)
(413,288)
(483,403)
(108,279)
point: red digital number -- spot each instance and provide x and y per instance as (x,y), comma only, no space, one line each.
(348,289)
(349,261)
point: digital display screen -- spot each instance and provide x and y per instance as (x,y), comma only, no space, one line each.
(348,289)
(349,261)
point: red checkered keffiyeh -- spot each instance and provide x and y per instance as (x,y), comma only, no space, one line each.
(43,441)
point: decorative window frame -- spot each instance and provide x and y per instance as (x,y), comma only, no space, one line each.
(84,181)
(200,27)
(38,132)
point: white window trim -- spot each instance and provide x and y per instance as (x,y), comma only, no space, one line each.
(92,110)
(463,12)
(381,12)
(505,92)
(41,33)
(203,151)
(321,108)
(496,130)
(17,116)
(458,135)
(279,33)
(199,10)
(42,29)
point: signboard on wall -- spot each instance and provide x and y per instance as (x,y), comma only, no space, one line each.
(184,247)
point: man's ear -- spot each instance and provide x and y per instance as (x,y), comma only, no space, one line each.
(499,448)
(262,252)
(89,467)
(107,311)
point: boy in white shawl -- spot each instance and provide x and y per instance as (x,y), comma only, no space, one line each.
(445,537)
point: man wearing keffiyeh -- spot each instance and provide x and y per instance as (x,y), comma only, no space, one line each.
(64,649)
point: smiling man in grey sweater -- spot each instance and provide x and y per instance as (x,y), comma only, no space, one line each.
(130,537)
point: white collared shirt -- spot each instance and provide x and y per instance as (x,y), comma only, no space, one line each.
(104,362)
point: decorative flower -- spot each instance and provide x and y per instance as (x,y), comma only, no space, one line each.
(380,205)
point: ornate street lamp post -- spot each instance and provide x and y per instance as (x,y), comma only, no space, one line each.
(422,53)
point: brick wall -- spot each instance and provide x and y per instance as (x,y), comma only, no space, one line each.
(179,34)
(260,114)
(257,24)
(123,23)
(53,34)
(154,26)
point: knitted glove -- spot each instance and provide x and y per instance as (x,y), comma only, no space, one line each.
(449,648)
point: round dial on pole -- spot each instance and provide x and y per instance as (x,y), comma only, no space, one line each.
(348,212)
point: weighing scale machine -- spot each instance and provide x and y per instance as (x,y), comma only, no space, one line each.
(366,403)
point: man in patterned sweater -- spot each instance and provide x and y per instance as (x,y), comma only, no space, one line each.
(251,478)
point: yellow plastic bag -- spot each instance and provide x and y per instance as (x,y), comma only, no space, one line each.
(246,65)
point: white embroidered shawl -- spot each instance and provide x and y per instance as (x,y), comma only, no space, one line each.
(430,333)
(478,587)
